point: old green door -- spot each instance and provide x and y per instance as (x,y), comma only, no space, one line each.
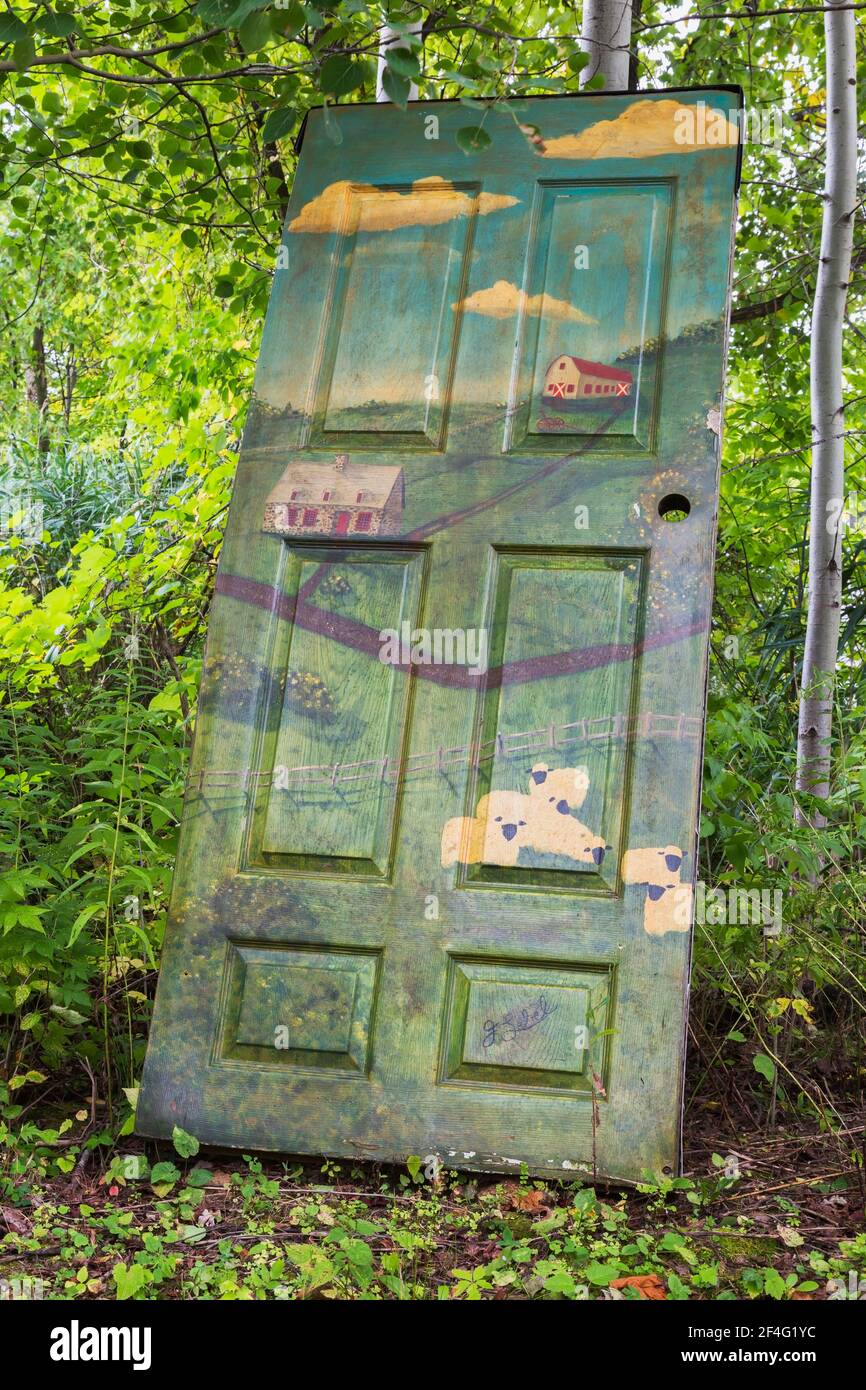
(434,887)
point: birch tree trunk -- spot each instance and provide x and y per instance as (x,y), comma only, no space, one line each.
(814,730)
(388,38)
(605,36)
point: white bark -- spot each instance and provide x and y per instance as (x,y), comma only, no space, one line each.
(605,36)
(389,39)
(828,446)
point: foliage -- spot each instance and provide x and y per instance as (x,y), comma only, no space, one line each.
(157,1233)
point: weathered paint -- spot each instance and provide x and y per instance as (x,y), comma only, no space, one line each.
(417,900)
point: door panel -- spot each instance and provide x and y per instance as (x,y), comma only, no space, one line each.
(603,229)
(293,1008)
(564,629)
(298,823)
(499,1030)
(367,389)
(434,888)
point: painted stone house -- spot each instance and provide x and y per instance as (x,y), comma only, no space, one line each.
(338,499)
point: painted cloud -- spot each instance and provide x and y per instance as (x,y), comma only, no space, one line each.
(503,300)
(430,202)
(647,128)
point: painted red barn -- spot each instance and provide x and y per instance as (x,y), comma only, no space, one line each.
(574,379)
(337,499)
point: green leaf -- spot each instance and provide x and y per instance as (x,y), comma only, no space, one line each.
(403,61)
(185,1144)
(278,124)
(227,14)
(130,1280)
(472,139)
(774,1284)
(12,29)
(577,60)
(341,74)
(23,53)
(199,1177)
(765,1065)
(395,87)
(57,24)
(254,33)
(165,1172)
(68,1015)
(358,1252)
(82,919)
(289,21)
(600,1273)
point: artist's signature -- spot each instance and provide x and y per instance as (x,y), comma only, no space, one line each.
(550,422)
(516,1021)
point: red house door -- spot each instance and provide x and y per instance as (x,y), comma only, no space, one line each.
(342,524)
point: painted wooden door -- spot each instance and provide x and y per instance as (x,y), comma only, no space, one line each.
(434,892)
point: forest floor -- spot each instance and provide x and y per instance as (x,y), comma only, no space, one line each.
(760,1212)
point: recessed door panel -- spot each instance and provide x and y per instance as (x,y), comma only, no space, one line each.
(334,732)
(385,377)
(513,1024)
(565,627)
(594,316)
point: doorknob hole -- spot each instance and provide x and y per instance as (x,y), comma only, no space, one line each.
(674,507)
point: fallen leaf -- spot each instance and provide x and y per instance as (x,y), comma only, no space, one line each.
(790,1236)
(15,1221)
(531,1201)
(648,1285)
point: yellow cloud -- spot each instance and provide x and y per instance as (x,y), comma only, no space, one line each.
(503,300)
(431,201)
(648,128)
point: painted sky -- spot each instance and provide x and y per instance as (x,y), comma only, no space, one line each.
(403,264)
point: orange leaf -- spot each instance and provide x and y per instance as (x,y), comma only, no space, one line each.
(530,1201)
(648,1285)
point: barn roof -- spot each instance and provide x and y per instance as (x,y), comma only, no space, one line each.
(310,480)
(595,368)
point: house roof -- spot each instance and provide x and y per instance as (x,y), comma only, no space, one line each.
(594,368)
(310,480)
